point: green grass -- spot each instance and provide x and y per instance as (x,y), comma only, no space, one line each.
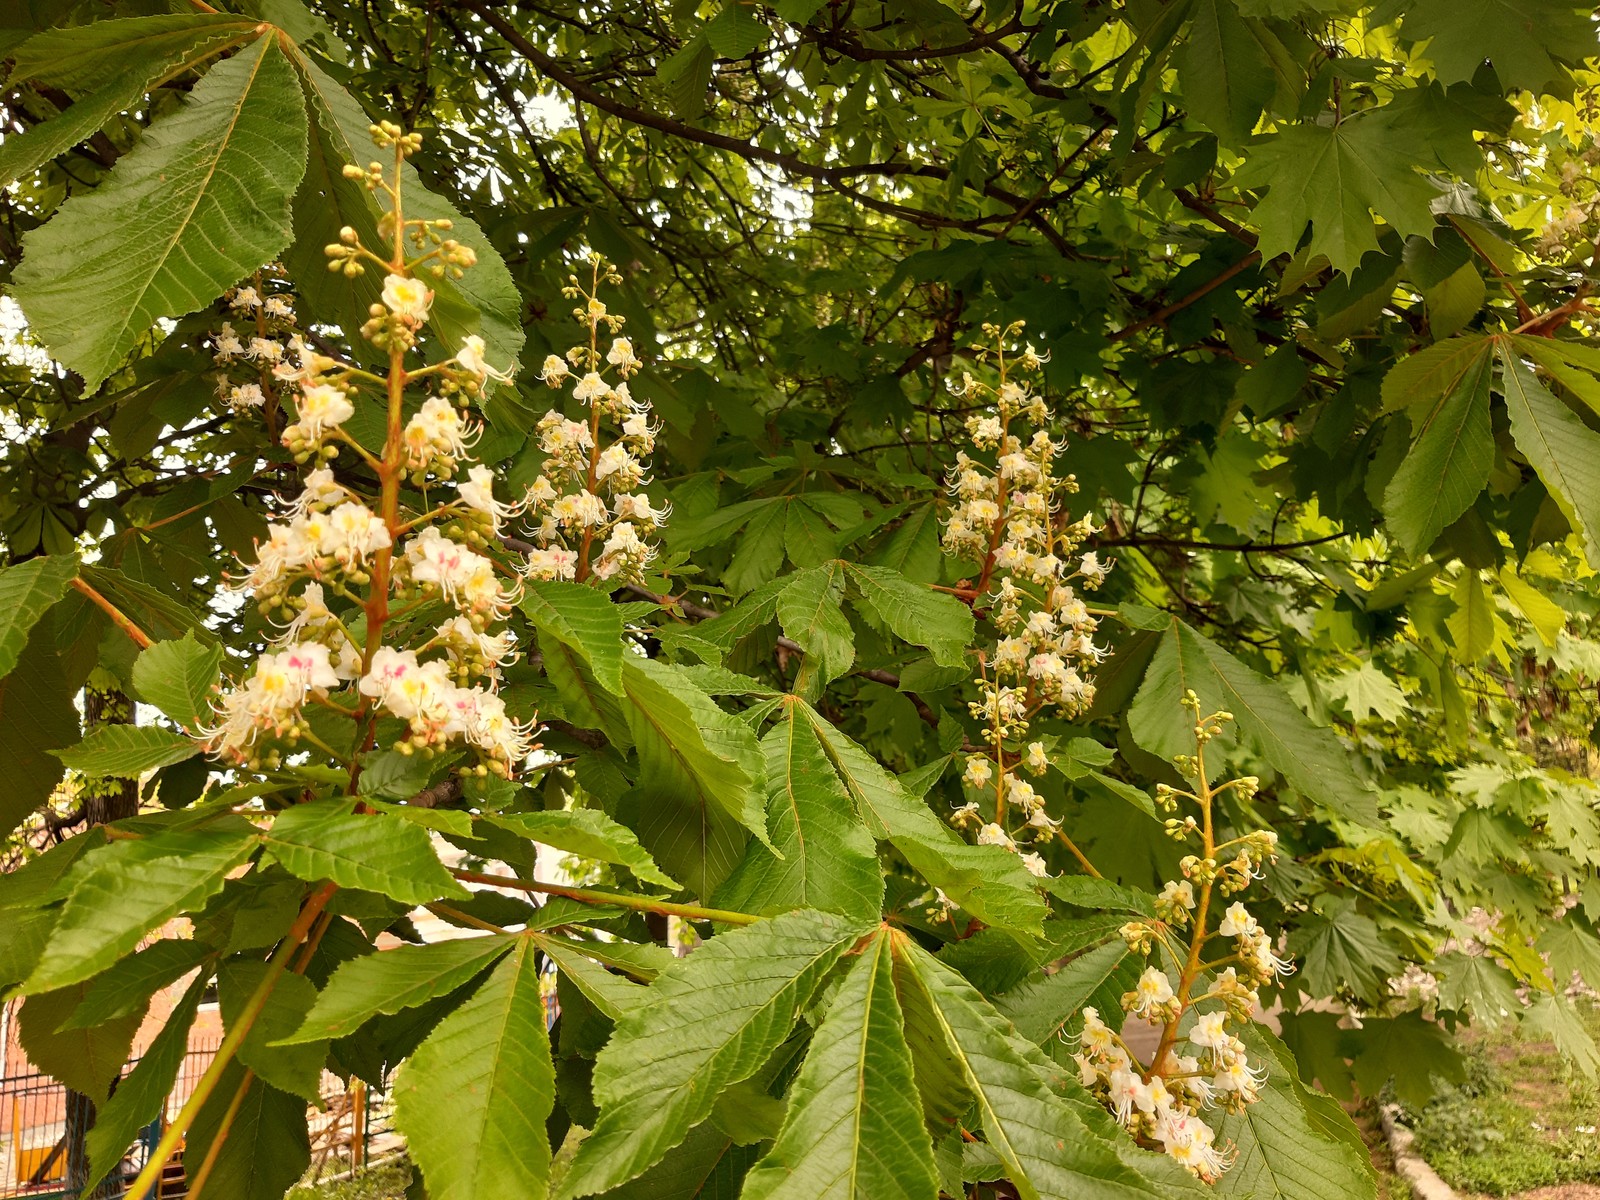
(380,1183)
(1523,1118)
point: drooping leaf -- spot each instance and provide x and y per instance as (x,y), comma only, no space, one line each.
(201,201)
(1563,450)
(988,881)
(829,861)
(582,619)
(473,1099)
(713,1020)
(810,612)
(27,591)
(266,1145)
(853,1130)
(177,677)
(84,1059)
(144,1090)
(295,1069)
(915,612)
(1449,463)
(127,751)
(391,980)
(1524,40)
(118,893)
(115,63)
(127,987)
(588,833)
(1046,1149)
(1293,1143)
(1309,758)
(327,840)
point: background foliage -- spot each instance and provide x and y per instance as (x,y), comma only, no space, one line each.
(1314,276)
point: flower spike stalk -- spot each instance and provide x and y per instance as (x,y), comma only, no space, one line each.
(341,563)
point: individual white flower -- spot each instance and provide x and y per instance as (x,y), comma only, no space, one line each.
(621,356)
(471,359)
(552,562)
(993,835)
(228,344)
(1035,865)
(244,299)
(1237,922)
(554,370)
(580,510)
(279,308)
(1036,758)
(354,532)
(1177,894)
(979,771)
(591,387)
(1151,994)
(407,298)
(1208,1032)
(322,408)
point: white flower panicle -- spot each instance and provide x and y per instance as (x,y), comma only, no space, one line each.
(587,516)
(1159,1102)
(1009,516)
(335,571)
(257,344)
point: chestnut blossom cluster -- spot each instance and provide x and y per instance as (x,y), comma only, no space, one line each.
(1207,1066)
(587,513)
(256,343)
(333,571)
(1009,515)
(1570,229)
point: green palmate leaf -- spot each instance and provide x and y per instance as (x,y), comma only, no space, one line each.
(1562,449)
(327,840)
(1293,1143)
(853,1130)
(1449,462)
(387,982)
(582,619)
(588,833)
(201,201)
(116,62)
(485,301)
(1524,39)
(1480,985)
(811,612)
(1044,1007)
(127,987)
(1310,758)
(472,1100)
(829,861)
(127,751)
(1045,1147)
(916,613)
(1225,70)
(265,1143)
(86,1060)
(713,1020)
(144,1091)
(178,677)
(1333,178)
(118,893)
(1343,952)
(27,591)
(989,881)
(1367,691)
(701,775)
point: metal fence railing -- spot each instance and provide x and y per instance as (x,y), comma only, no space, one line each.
(36,1112)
